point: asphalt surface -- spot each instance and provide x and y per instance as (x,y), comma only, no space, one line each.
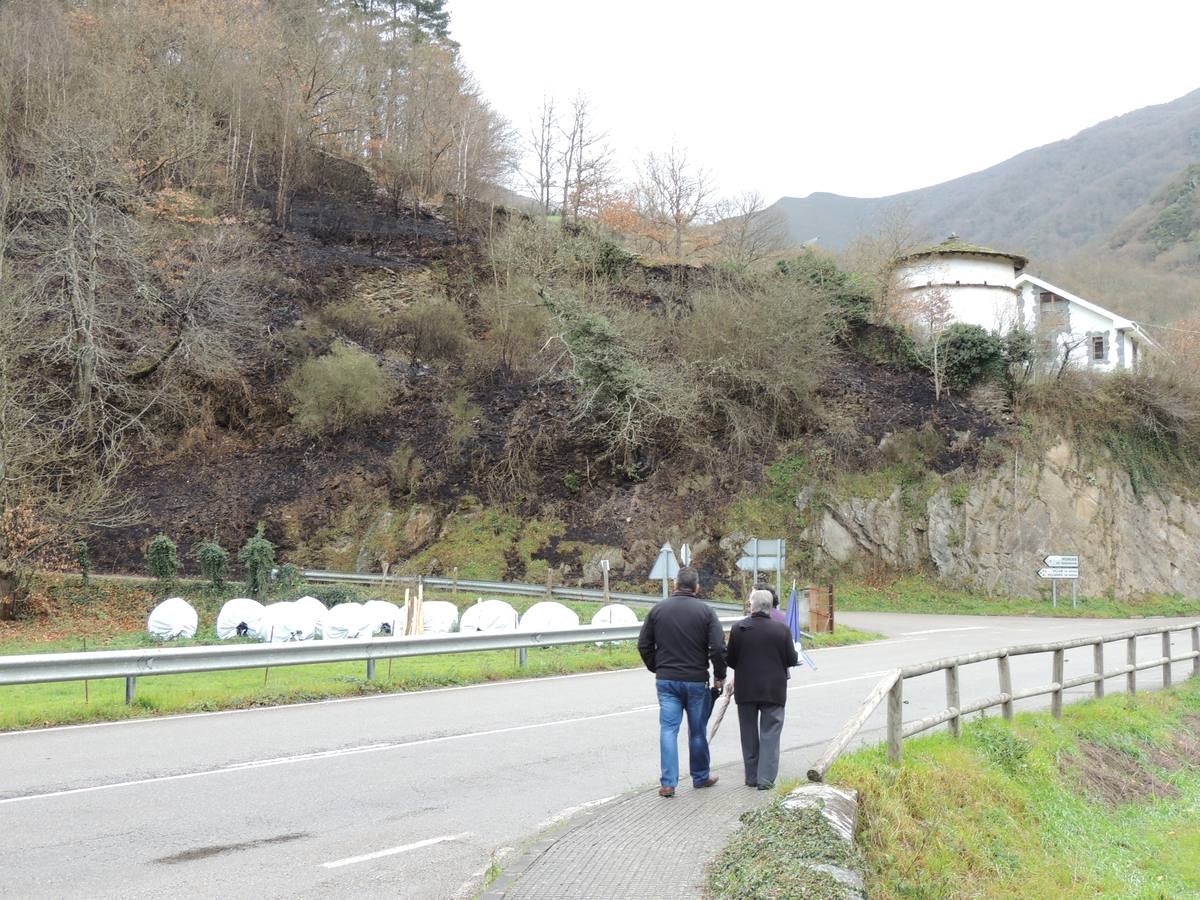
(413,795)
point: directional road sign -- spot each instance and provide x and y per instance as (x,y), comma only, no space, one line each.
(1060,562)
(685,555)
(1058,572)
(763,547)
(761,564)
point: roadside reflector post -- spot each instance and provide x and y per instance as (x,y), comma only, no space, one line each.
(1131,661)
(130,689)
(1166,645)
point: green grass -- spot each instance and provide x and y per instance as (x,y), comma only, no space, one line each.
(1104,802)
(26,706)
(918,594)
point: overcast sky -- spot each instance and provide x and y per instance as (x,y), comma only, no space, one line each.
(863,98)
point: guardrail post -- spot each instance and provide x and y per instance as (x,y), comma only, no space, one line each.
(1098,662)
(455,576)
(549,582)
(1131,661)
(1166,645)
(1196,649)
(895,721)
(130,689)
(952,700)
(522,656)
(1006,706)
(370,670)
(1056,698)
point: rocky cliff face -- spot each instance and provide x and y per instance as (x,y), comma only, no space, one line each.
(992,532)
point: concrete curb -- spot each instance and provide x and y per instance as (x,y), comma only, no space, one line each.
(839,807)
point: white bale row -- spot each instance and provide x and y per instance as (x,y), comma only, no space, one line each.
(308,618)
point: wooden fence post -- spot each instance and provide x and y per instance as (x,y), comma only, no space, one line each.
(952,700)
(1166,645)
(895,721)
(1098,662)
(1131,661)
(1006,707)
(1056,698)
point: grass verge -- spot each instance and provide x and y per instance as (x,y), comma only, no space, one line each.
(916,594)
(1103,802)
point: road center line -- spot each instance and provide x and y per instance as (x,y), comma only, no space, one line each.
(392,851)
(944,630)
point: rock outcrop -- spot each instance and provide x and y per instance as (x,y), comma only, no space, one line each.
(991,532)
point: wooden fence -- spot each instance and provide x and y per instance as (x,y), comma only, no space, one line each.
(892,686)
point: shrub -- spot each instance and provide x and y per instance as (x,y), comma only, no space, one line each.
(436,328)
(214,562)
(258,557)
(83,558)
(849,298)
(288,578)
(461,414)
(333,594)
(338,389)
(405,469)
(162,559)
(970,354)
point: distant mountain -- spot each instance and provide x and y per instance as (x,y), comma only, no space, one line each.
(1049,202)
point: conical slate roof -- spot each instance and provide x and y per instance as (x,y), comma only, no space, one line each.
(955,244)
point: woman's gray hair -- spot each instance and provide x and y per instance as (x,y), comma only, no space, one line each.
(760,601)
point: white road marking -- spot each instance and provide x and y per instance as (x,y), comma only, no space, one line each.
(944,630)
(909,640)
(392,851)
(816,684)
(570,811)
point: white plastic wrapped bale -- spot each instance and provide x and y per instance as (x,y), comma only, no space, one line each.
(346,621)
(313,607)
(239,617)
(614,614)
(439,616)
(489,615)
(173,618)
(286,622)
(548,615)
(386,618)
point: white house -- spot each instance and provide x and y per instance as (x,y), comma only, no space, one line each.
(990,288)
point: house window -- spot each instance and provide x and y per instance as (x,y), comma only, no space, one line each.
(1052,312)
(1098,347)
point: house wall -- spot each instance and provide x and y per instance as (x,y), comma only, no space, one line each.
(981,290)
(1082,323)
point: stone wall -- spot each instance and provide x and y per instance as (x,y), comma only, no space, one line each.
(993,532)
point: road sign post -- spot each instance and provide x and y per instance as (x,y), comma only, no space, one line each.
(1064,567)
(604,571)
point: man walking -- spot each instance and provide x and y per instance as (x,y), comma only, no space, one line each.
(760,653)
(679,638)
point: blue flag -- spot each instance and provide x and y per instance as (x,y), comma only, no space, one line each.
(793,616)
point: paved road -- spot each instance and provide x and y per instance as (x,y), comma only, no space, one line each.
(407,794)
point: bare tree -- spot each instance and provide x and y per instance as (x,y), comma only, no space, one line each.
(542,144)
(876,254)
(672,194)
(747,230)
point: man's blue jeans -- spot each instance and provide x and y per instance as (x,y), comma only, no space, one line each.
(673,698)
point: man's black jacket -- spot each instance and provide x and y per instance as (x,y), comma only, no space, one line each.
(761,652)
(679,637)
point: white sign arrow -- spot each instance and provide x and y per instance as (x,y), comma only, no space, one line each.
(1058,572)
(685,555)
(1059,562)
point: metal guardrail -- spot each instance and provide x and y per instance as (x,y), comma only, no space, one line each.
(40,668)
(317,576)
(892,686)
